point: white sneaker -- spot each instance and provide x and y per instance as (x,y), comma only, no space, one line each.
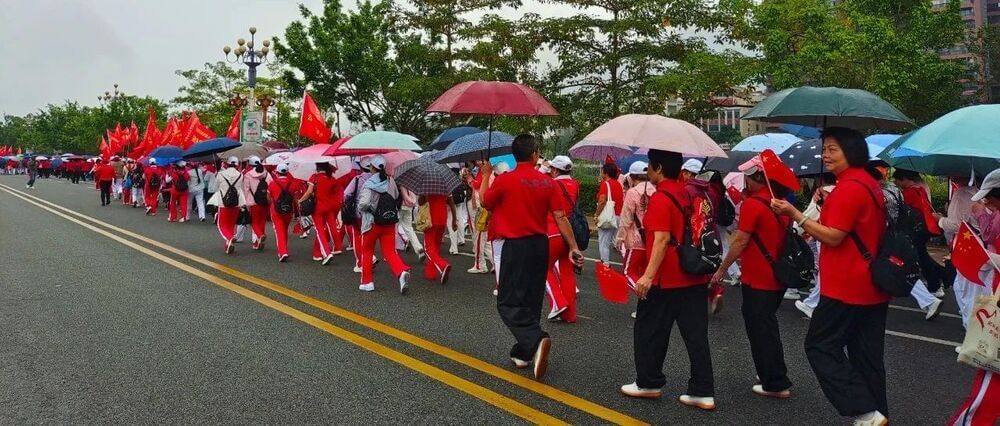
(421,255)
(336,252)
(633,390)
(317,258)
(357,269)
(553,314)
(791,294)
(519,363)
(494,292)
(633,315)
(933,310)
(367,287)
(759,390)
(939,293)
(327,259)
(804,308)
(702,402)
(404,280)
(874,418)
(541,360)
(452,251)
(478,270)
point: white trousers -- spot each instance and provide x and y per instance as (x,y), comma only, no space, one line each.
(458,237)
(483,250)
(406,231)
(199,197)
(137,193)
(734,269)
(116,188)
(966,292)
(605,242)
(920,294)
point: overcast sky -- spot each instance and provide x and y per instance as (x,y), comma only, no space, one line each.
(53,50)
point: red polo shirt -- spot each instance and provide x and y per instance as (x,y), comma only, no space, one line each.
(756,218)
(573,190)
(663,216)
(288,183)
(617,194)
(842,270)
(329,192)
(104,172)
(916,198)
(521,202)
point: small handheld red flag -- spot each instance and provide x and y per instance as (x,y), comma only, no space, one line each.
(313,125)
(968,254)
(613,284)
(777,171)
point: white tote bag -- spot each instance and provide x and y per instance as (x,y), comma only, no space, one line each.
(981,348)
(607,218)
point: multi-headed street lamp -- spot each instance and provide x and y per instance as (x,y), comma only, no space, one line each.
(251,57)
(110,96)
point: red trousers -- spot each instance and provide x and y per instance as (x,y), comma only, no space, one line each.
(127,196)
(634,265)
(560,283)
(432,246)
(152,200)
(354,232)
(385,235)
(227,222)
(178,201)
(258,220)
(326,229)
(982,407)
(280,224)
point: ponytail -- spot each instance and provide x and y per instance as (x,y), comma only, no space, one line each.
(381,173)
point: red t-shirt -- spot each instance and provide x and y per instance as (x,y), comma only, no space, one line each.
(916,198)
(617,194)
(521,202)
(289,183)
(148,175)
(843,271)
(329,192)
(104,172)
(176,176)
(663,216)
(756,218)
(438,206)
(573,189)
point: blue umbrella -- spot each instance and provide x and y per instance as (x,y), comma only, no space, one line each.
(877,144)
(450,135)
(208,147)
(804,158)
(777,142)
(506,158)
(167,154)
(625,163)
(960,143)
(801,131)
(475,146)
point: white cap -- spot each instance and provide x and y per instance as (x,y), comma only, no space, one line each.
(501,168)
(233,161)
(693,166)
(991,182)
(562,162)
(254,160)
(181,163)
(638,168)
(377,162)
(152,161)
(282,168)
(365,162)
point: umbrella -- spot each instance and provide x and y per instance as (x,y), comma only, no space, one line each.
(730,164)
(167,151)
(394,159)
(656,132)
(244,151)
(506,158)
(882,141)
(476,146)
(311,154)
(778,142)
(957,144)
(211,146)
(598,151)
(274,145)
(625,163)
(337,148)
(278,158)
(381,140)
(41,158)
(305,170)
(804,158)
(449,136)
(424,177)
(801,131)
(829,107)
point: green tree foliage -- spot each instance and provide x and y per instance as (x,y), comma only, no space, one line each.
(985,44)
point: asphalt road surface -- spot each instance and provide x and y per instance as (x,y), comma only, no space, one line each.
(111,316)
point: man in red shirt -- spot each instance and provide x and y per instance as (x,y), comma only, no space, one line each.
(560,284)
(177,207)
(104,174)
(153,179)
(668,294)
(520,203)
(758,238)
(610,190)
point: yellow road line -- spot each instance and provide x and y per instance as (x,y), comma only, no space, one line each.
(551,392)
(500,401)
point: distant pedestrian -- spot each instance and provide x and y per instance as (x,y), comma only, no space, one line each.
(104,175)
(609,190)
(32,173)
(378,205)
(255,193)
(560,280)
(441,208)
(281,199)
(178,205)
(196,192)
(229,200)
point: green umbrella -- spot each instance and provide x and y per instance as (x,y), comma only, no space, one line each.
(383,140)
(961,142)
(829,107)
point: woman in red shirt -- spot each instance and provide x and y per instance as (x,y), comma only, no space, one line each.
(915,196)
(610,190)
(441,208)
(282,185)
(560,283)
(329,192)
(852,309)
(104,175)
(177,207)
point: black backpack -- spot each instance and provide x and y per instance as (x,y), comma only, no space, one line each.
(795,265)
(894,269)
(232,197)
(138,180)
(349,212)
(260,193)
(727,212)
(701,254)
(154,181)
(911,222)
(577,221)
(182,182)
(387,209)
(460,194)
(283,204)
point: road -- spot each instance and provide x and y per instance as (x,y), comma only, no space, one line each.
(109,315)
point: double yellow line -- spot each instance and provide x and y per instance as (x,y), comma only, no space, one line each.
(500,401)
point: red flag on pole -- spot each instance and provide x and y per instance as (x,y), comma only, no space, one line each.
(234,126)
(170,132)
(968,254)
(194,131)
(312,125)
(777,171)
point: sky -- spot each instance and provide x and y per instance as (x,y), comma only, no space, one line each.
(57,50)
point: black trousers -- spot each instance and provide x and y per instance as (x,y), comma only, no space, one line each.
(654,320)
(759,307)
(75,176)
(932,271)
(105,186)
(853,382)
(520,291)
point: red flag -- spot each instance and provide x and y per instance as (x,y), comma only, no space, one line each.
(734,195)
(105,150)
(614,285)
(968,254)
(170,132)
(194,132)
(133,134)
(313,125)
(234,126)
(777,171)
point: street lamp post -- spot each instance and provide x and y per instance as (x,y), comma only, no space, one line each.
(110,96)
(252,58)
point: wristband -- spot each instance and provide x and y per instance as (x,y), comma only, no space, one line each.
(803,221)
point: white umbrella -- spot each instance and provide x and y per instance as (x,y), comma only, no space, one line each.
(41,157)
(305,169)
(278,158)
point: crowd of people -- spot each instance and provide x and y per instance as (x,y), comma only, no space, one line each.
(648,216)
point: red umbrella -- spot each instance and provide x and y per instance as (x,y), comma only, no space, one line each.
(493,98)
(274,145)
(336,149)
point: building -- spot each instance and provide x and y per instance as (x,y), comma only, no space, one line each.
(975,14)
(731,108)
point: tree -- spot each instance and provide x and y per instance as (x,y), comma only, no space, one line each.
(443,22)
(702,76)
(985,44)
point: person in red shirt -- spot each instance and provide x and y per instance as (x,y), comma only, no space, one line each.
(104,175)
(668,294)
(178,205)
(758,237)
(520,203)
(560,281)
(441,207)
(283,187)
(610,189)
(329,193)
(153,178)
(915,196)
(852,309)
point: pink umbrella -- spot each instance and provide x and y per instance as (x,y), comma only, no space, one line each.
(310,154)
(598,151)
(305,170)
(656,132)
(394,159)
(492,98)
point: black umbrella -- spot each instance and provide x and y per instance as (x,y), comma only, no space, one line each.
(730,164)
(805,158)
